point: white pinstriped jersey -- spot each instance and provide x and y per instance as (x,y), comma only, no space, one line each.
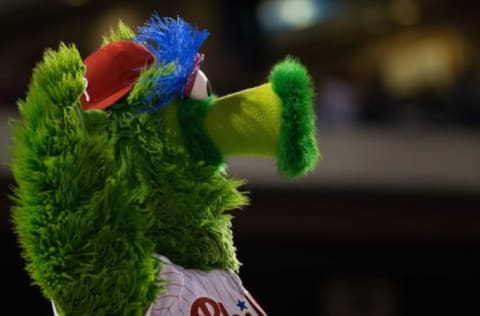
(193,292)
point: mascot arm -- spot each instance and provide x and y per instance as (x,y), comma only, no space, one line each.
(83,242)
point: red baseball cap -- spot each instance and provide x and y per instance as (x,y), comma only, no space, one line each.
(112,71)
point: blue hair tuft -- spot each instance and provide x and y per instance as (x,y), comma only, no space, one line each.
(174,43)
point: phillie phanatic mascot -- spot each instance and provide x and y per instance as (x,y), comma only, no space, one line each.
(122,199)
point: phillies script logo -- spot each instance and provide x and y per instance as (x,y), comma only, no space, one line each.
(204,306)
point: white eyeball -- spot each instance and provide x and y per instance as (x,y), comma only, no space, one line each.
(201,86)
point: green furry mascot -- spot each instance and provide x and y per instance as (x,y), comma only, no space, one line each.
(122,199)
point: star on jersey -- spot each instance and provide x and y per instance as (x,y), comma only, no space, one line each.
(241,305)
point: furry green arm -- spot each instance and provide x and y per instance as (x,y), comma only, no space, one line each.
(82,237)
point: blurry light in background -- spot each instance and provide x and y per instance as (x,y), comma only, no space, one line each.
(405,12)
(298,13)
(279,15)
(412,63)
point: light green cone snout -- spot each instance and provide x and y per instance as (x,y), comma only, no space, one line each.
(275,120)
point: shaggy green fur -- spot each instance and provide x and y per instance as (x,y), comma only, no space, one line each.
(144,85)
(183,201)
(99,192)
(298,152)
(123,32)
(77,222)
(191,115)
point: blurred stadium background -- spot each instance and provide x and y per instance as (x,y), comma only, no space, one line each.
(389,223)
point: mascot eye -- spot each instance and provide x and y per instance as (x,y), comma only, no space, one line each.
(201,86)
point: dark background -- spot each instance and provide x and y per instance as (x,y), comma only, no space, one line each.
(389,223)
